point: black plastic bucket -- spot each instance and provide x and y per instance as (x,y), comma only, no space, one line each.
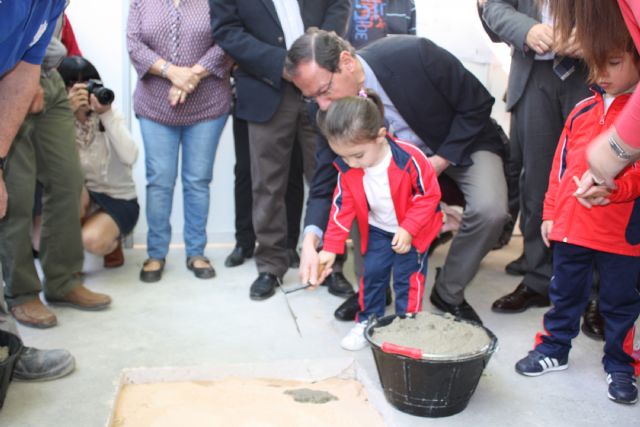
(423,385)
(14,343)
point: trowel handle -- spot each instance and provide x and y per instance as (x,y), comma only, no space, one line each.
(414,353)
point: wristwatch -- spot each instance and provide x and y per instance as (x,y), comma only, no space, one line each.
(617,149)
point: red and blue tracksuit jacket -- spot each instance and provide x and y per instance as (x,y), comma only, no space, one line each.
(605,236)
(614,228)
(414,190)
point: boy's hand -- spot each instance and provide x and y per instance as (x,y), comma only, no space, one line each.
(401,243)
(545,230)
(325,262)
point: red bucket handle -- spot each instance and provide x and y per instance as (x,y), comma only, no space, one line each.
(414,353)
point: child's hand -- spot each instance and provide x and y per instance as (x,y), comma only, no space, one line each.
(401,243)
(545,230)
(325,262)
(596,195)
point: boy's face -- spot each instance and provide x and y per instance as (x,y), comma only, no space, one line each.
(620,74)
(363,154)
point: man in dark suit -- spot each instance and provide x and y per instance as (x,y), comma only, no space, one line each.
(540,100)
(432,101)
(257,33)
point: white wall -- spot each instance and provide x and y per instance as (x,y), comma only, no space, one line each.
(100,30)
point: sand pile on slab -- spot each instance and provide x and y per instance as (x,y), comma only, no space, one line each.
(249,402)
(434,334)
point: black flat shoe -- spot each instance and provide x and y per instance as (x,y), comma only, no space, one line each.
(150,276)
(237,256)
(463,311)
(294,258)
(201,272)
(593,322)
(349,308)
(338,285)
(264,286)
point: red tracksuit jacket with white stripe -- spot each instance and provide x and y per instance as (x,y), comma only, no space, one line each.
(614,228)
(414,190)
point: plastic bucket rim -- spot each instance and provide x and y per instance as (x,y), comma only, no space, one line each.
(485,351)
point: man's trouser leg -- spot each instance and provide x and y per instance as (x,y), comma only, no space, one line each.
(485,193)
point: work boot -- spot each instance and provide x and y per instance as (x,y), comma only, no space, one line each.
(43,365)
(82,298)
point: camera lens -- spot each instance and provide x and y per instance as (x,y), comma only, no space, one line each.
(105,96)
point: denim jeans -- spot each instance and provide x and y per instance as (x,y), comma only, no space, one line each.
(161,145)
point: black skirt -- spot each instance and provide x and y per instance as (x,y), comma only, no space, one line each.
(124,212)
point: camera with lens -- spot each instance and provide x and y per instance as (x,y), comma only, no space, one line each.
(104,95)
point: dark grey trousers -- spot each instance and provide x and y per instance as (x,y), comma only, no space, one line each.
(485,193)
(537,122)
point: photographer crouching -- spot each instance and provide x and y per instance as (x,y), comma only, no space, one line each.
(109,206)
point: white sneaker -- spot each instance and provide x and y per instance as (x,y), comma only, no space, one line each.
(355,339)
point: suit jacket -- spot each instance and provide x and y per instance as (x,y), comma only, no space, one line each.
(441,101)
(250,32)
(511,20)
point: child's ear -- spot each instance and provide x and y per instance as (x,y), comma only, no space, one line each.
(382,133)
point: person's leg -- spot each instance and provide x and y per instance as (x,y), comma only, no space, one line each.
(620,307)
(569,294)
(245,237)
(199,146)
(18,269)
(100,233)
(378,261)
(58,168)
(409,279)
(161,148)
(485,192)
(271,142)
(540,117)
(294,198)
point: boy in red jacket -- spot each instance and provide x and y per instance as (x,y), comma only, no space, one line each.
(392,190)
(603,231)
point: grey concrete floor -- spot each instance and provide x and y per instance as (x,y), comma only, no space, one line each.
(182,322)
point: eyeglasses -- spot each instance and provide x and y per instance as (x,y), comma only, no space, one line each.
(321,92)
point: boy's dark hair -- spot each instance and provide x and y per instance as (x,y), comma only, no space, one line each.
(353,119)
(320,46)
(77,69)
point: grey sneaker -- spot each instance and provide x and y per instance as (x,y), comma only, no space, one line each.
(43,365)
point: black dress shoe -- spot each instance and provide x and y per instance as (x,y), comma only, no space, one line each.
(593,322)
(294,258)
(519,300)
(338,285)
(517,267)
(463,311)
(237,256)
(349,308)
(264,286)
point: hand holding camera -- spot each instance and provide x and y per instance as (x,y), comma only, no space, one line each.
(90,95)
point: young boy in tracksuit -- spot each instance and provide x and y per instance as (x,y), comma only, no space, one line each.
(392,189)
(601,231)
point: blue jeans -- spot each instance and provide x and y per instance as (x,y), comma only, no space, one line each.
(161,146)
